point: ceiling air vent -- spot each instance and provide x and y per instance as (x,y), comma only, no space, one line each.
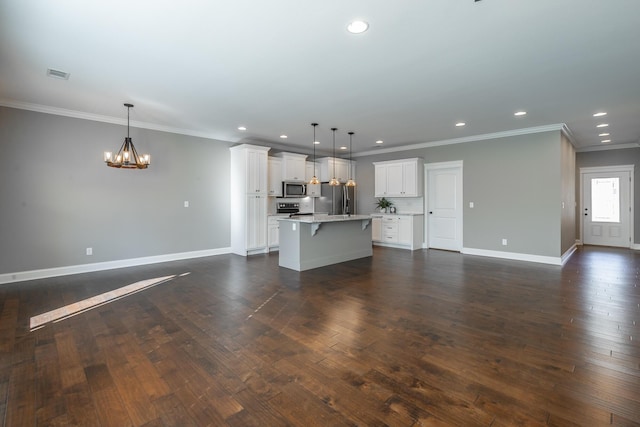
(57,74)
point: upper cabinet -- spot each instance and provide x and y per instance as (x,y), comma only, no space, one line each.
(399,178)
(311,170)
(249,167)
(275,177)
(293,166)
(327,165)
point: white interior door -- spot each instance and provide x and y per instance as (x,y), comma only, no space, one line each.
(606,208)
(444,206)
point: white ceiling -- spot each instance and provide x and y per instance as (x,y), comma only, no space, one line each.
(206,67)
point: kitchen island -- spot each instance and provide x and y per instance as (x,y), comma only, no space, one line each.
(308,242)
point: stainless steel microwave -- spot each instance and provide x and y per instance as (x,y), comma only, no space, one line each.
(294,189)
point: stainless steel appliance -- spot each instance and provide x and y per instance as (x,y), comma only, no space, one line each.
(336,200)
(290,208)
(294,189)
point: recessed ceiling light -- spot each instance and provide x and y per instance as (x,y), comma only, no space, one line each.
(284,136)
(379,141)
(606,140)
(603,125)
(316,142)
(242,128)
(459,124)
(343,148)
(520,113)
(600,114)
(604,134)
(357,27)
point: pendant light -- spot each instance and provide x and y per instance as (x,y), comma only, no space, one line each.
(315,179)
(127,157)
(350,181)
(334,182)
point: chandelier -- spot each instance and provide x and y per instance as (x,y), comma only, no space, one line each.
(127,157)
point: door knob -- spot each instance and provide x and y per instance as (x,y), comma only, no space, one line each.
(430,213)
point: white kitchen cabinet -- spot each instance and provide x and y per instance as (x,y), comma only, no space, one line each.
(248,199)
(399,178)
(405,230)
(327,169)
(310,172)
(398,231)
(376,229)
(256,222)
(275,177)
(256,171)
(294,166)
(273,233)
(390,229)
(314,190)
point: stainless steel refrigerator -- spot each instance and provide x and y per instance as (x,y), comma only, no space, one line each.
(336,200)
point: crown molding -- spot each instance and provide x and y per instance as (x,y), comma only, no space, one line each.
(39,108)
(474,138)
(105,119)
(608,147)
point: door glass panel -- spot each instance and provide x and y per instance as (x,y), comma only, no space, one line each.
(605,199)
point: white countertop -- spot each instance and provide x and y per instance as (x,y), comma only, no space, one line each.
(397,214)
(320,218)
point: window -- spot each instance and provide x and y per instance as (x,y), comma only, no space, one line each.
(605,199)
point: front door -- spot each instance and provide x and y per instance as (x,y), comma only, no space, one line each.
(444,205)
(606,207)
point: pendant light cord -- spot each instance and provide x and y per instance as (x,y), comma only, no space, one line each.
(314,148)
(334,152)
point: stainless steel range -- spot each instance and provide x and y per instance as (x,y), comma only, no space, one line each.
(288,208)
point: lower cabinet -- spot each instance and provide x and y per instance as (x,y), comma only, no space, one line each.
(256,223)
(376,229)
(399,231)
(273,239)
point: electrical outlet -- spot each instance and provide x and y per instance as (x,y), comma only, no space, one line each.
(89,251)
(504,242)
(186,203)
(471,204)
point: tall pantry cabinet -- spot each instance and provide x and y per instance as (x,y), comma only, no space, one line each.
(249,190)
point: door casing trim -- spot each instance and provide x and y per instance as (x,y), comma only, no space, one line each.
(608,169)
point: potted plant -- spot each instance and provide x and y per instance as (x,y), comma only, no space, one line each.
(383,204)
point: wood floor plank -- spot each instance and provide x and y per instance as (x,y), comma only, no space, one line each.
(400,339)
(21,396)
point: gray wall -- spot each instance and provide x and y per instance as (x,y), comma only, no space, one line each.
(58,197)
(516,186)
(629,156)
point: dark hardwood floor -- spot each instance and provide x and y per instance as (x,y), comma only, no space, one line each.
(400,339)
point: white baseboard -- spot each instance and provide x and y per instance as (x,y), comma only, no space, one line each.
(396,245)
(22,276)
(634,246)
(514,256)
(565,256)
